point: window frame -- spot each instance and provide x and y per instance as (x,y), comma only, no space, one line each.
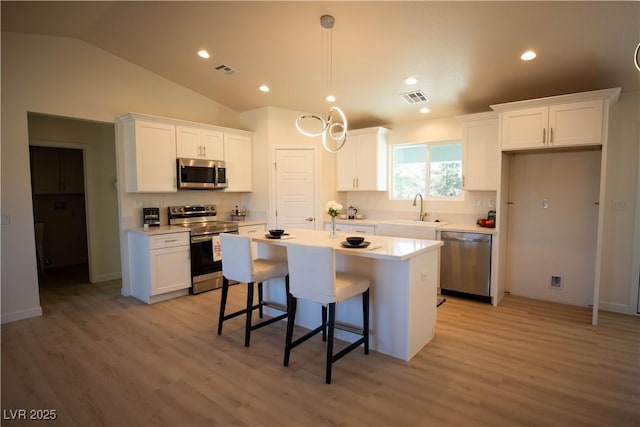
(428,146)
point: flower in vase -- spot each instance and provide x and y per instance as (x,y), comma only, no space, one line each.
(333,208)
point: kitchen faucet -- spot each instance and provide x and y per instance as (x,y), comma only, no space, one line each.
(422,213)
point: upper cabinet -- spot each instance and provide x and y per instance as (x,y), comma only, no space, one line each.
(554,122)
(149,155)
(56,170)
(481,156)
(152,145)
(361,164)
(197,143)
(239,162)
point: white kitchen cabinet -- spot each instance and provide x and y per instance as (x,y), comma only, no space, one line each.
(351,228)
(481,156)
(149,155)
(361,165)
(199,143)
(238,158)
(553,126)
(160,265)
(251,231)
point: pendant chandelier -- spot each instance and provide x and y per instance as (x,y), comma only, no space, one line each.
(334,127)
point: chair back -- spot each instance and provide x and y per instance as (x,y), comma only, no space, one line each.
(237,257)
(312,272)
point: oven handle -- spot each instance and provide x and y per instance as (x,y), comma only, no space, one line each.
(200,239)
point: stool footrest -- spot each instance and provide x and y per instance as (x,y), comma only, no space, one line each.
(347,349)
(268,321)
(306,336)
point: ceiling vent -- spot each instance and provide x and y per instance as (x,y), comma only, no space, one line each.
(414,97)
(225,69)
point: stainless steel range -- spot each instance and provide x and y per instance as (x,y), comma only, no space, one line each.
(206,258)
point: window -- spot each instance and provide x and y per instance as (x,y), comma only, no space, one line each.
(436,166)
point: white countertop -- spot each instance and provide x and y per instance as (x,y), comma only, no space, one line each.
(467,228)
(381,247)
(249,222)
(161,229)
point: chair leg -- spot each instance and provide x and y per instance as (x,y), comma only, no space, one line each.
(365,320)
(331,327)
(324,323)
(260,299)
(247,329)
(291,317)
(223,303)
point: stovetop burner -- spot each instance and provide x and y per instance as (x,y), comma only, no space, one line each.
(200,219)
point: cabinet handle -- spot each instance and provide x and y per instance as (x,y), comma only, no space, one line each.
(357,182)
(544,136)
(550,135)
(170,240)
(204,151)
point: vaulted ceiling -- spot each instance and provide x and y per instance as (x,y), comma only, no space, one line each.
(465,55)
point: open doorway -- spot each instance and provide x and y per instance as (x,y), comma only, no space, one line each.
(60,220)
(75,204)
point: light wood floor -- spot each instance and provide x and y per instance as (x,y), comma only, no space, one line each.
(100,359)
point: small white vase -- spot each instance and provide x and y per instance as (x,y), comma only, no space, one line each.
(332,233)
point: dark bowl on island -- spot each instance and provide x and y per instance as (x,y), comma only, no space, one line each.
(276,232)
(355,241)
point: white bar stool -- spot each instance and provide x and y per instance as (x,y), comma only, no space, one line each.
(313,277)
(238,264)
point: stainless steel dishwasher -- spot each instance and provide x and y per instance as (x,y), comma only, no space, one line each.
(465,265)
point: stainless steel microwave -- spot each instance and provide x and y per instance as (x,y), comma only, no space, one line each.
(199,174)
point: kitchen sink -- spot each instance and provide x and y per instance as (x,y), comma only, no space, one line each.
(408,228)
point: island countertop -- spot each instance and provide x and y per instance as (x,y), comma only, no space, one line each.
(381,247)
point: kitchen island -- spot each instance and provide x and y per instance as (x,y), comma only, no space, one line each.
(404,280)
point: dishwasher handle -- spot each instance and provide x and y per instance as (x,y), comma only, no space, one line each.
(459,238)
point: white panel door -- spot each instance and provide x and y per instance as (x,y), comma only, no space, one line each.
(295,189)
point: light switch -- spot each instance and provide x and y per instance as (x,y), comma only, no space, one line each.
(5,219)
(619,205)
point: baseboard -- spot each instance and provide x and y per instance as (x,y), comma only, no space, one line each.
(616,308)
(21,315)
(106,277)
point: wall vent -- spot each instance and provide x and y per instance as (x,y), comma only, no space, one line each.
(224,69)
(556,282)
(414,97)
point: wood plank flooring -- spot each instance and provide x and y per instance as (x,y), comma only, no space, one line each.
(100,359)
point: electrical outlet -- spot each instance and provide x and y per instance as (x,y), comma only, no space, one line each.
(619,205)
(556,282)
(477,202)
(491,203)
(544,204)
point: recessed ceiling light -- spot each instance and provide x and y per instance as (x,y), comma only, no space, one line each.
(331,98)
(203,54)
(411,80)
(264,88)
(528,55)
(425,110)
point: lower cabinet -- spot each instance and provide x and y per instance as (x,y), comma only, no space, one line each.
(160,265)
(252,230)
(351,228)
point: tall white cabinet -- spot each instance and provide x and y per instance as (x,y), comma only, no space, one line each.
(481,152)
(361,164)
(553,126)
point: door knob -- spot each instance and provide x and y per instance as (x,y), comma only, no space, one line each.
(309,219)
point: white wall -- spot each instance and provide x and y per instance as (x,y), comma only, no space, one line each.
(618,288)
(275,128)
(69,78)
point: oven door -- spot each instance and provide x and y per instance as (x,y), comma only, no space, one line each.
(206,263)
